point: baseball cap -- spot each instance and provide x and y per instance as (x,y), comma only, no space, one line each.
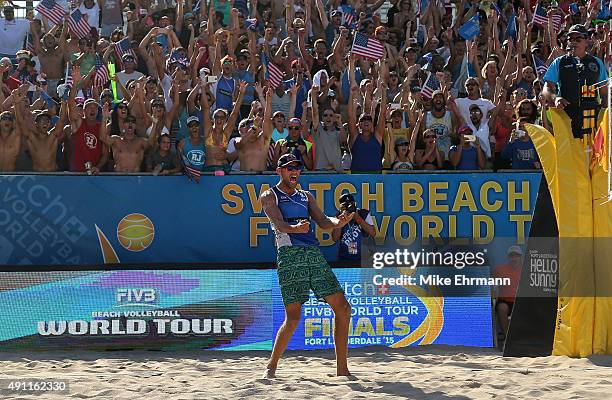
(334,13)
(191,119)
(90,101)
(515,250)
(295,121)
(23,56)
(127,57)
(401,140)
(287,159)
(464,129)
(578,29)
(188,15)
(415,89)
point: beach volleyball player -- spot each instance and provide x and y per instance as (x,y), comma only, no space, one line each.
(300,265)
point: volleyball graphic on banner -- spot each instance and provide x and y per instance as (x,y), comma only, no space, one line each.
(135,232)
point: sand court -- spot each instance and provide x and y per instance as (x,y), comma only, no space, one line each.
(428,372)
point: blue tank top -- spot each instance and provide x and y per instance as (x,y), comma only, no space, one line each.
(196,155)
(366,155)
(225,92)
(469,159)
(294,208)
(349,246)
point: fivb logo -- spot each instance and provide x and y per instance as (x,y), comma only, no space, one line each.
(136,297)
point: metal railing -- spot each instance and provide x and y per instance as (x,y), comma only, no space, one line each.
(22,7)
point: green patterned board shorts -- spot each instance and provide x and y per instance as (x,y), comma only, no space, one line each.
(301,269)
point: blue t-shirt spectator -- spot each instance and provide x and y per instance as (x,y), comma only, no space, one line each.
(552,74)
(469,158)
(522,153)
(246,76)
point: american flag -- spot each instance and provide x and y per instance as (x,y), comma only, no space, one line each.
(431,85)
(557,19)
(367,47)
(78,25)
(540,66)
(101,76)
(51,10)
(30,44)
(191,172)
(573,9)
(348,15)
(68,77)
(539,15)
(273,74)
(124,47)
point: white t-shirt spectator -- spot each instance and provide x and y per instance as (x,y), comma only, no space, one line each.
(464,105)
(93,14)
(12,35)
(124,77)
(483,137)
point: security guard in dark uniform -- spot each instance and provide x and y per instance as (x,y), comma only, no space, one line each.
(574,80)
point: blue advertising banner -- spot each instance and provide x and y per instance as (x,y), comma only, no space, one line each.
(398,315)
(72,220)
(228,310)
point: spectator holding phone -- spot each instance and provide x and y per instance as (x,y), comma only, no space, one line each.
(467,154)
(520,149)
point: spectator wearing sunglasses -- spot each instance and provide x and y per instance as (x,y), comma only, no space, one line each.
(464,106)
(295,144)
(129,72)
(571,82)
(225,88)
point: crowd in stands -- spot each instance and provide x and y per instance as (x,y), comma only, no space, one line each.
(231,85)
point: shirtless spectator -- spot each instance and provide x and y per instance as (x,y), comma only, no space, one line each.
(87,152)
(10,142)
(50,54)
(128,149)
(254,140)
(42,141)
